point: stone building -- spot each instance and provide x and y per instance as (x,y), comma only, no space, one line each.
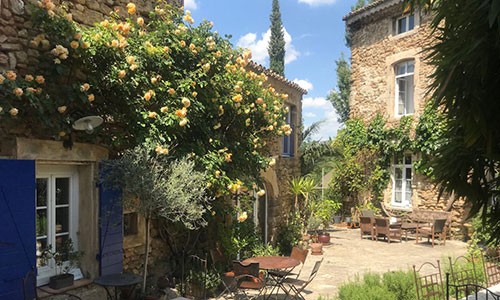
(390,77)
(67,197)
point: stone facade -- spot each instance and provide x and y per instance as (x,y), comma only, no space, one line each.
(376,48)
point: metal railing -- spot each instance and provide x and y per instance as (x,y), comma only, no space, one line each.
(469,291)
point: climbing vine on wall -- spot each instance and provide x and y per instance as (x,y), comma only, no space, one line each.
(157,81)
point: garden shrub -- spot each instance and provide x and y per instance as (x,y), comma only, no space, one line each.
(265,250)
(397,285)
(289,234)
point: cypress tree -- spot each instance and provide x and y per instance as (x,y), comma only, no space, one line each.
(276,47)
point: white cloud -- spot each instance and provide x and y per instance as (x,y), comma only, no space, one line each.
(310,115)
(318,102)
(317,2)
(259,47)
(304,83)
(191,4)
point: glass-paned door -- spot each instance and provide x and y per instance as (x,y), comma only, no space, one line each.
(402,179)
(56,219)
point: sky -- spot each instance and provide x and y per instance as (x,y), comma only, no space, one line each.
(314,35)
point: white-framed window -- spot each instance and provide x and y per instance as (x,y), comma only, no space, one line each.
(405,24)
(56,217)
(402,174)
(289,140)
(404,95)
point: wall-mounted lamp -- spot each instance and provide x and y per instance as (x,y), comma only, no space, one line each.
(88,123)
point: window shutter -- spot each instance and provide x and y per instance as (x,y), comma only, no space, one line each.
(17,227)
(110,231)
(292,142)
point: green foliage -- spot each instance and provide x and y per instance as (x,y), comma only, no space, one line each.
(158,187)
(65,257)
(368,206)
(290,234)
(240,237)
(316,155)
(340,98)
(265,250)
(276,47)
(460,265)
(465,64)
(326,209)
(162,83)
(397,285)
(360,4)
(213,280)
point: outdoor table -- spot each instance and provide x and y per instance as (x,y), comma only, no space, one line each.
(116,281)
(408,227)
(274,263)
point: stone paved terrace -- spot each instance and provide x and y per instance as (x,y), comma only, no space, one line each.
(348,255)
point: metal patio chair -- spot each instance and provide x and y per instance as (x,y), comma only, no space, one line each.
(437,229)
(464,277)
(491,270)
(429,286)
(297,254)
(247,277)
(297,286)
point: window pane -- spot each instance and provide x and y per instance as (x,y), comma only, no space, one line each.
(41,222)
(62,219)
(398,197)
(400,69)
(62,191)
(402,25)
(411,22)
(409,95)
(401,96)
(411,67)
(286,144)
(41,245)
(407,159)
(62,245)
(398,173)
(41,191)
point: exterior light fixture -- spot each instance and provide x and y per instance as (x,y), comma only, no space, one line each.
(88,123)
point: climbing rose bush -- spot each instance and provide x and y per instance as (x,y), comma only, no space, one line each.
(157,81)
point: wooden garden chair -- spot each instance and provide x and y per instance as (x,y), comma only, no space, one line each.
(436,229)
(429,286)
(367,226)
(491,270)
(384,228)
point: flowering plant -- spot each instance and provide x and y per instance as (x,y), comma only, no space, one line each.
(157,81)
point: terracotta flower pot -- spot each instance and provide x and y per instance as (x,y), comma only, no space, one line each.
(316,249)
(306,237)
(324,238)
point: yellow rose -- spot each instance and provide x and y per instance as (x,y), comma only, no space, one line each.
(164,151)
(217,173)
(192,46)
(195,94)
(29,78)
(181,113)
(152,114)
(140,21)
(130,60)
(183,122)
(91,97)
(18,92)
(171,91)
(1,108)
(78,36)
(133,67)
(31,90)
(259,101)
(228,156)
(237,98)
(61,109)
(242,217)
(69,17)
(272,162)
(148,95)
(166,49)
(13,111)
(115,43)
(186,102)
(74,44)
(2,79)
(122,74)
(183,44)
(131,8)
(85,45)
(85,87)
(261,193)
(164,109)
(11,75)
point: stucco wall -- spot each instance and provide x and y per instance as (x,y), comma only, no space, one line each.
(375,50)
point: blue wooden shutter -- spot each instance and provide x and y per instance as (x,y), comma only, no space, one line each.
(110,231)
(17,226)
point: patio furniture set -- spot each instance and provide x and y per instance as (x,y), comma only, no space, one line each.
(264,273)
(422,223)
(460,282)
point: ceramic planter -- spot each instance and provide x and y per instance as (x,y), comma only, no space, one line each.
(61,281)
(324,238)
(316,249)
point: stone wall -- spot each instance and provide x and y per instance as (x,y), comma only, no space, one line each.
(375,50)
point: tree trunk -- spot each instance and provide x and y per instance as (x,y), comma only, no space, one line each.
(146,256)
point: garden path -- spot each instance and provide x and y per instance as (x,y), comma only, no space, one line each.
(348,255)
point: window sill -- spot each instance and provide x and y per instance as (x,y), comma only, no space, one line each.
(395,37)
(401,208)
(45,291)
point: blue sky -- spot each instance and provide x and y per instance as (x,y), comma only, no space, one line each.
(314,36)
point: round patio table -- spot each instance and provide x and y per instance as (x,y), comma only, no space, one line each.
(273,262)
(116,281)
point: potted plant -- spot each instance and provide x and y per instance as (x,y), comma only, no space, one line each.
(66,259)
(324,212)
(314,223)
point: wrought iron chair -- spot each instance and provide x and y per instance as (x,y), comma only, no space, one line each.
(297,286)
(367,226)
(201,263)
(384,228)
(437,229)
(491,270)
(429,286)
(297,254)
(462,278)
(248,277)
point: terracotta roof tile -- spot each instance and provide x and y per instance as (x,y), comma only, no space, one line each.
(260,68)
(365,9)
